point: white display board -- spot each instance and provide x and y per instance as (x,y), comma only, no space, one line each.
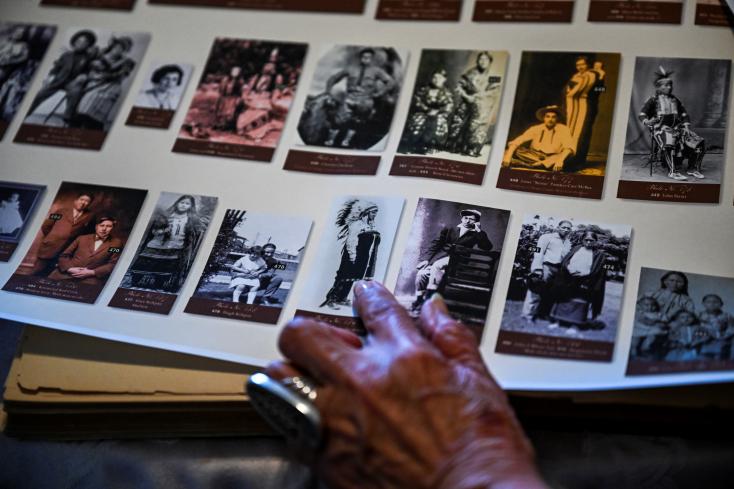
(690,237)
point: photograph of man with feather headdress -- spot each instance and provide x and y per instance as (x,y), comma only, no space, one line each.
(356,246)
(674,134)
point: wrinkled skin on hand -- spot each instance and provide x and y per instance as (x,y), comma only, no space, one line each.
(413,407)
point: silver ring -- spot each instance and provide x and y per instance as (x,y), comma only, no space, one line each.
(288,407)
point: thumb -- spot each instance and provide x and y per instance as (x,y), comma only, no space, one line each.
(452,338)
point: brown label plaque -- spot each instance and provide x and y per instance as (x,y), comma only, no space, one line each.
(441,169)
(553,347)
(6,250)
(56,289)
(110,4)
(60,136)
(3,127)
(352,324)
(641,11)
(331,164)
(339,6)
(446,10)
(533,11)
(233,310)
(208,148)
(145,117)
(641,367)
(143,300)
(716,15)
(571,185)
(702,193)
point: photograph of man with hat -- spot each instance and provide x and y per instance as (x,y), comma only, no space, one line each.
(543,146)
(84,88)
(434,259)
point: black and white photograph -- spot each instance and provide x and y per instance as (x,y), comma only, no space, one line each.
(160,94)
(350,107)
(559,134)
(22,48)
(166,253)
(84,90)
(243,99)
(164,86)
(566,289)
(252,267)
(79,243)
(352,98)
(17,203)
(684,322)
(676,130)
(453,112)
(453,250)
(355,246)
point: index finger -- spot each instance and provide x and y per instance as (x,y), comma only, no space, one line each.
(382,314)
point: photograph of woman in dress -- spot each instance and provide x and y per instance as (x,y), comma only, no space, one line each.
(164,86)
(685,321)
(171,242)
(245,273)
(455,102)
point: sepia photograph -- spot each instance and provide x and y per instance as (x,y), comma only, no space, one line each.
(561,124)
(243,98)
(83,91)
(684,322)
(166,253)
(453,250)
(22,48)
(567,283)
(17,203)
(352,98)
(454,109)
(356,246)
(252,267)
(79,242)
(675,136)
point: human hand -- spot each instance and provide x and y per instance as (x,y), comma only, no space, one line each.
(81,272)
(414,406)
(422,265)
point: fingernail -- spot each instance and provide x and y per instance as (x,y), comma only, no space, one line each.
(362,286)
(437,301)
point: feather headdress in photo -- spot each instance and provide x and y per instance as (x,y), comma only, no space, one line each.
(351,211)
(663,76)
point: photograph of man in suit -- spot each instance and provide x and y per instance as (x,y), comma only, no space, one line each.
(90,258)
(435,259)
(60,229)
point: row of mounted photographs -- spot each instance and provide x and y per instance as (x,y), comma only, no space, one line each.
(563,301)
(559,133)
(708,12)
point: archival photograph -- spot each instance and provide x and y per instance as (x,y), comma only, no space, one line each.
(79,242)
(83,91)
(17,203)
(164,85)
(243,98)
(355,246)
(352,98)
(453,250)
(684,322)
(454,109)
(567,284)
(674,134)
(252,267)
(167,252)
(22,48)
(561,123)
